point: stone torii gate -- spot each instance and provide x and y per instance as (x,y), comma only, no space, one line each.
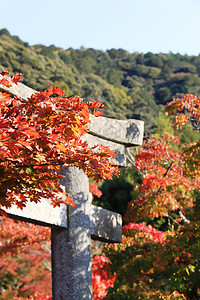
(73,228)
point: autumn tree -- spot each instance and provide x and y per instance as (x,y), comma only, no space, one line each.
(37,138)
(25,260)
(150,263)
(40,135)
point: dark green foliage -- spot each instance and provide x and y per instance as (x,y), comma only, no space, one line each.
(65,57)
(116,195)
(132,85)
(48,51)
(188,135)
(4,31)
(163,95)
(119,191)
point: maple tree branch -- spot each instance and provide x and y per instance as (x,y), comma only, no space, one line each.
(168,169)
(20,166)
(185,220)
(131,158)
(154,276)
(165,174)
(189,149)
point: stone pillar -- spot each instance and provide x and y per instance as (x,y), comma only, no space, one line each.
(71,247)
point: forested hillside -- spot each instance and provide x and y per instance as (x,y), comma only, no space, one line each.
(132,85)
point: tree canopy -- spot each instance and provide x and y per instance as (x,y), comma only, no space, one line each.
(40,135)
(132,85)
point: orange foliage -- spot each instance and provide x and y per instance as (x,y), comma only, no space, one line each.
(165,187)
(189,104)
(39,135)
(25,260)
(94,190)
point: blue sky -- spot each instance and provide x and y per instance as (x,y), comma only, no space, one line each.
(134,25)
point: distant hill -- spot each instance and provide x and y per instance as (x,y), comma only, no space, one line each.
(132,85)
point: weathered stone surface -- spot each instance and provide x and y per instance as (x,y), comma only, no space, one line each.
(41,213)
(127,132)
(20,90)
(119,149)
(105,225)
(71,247)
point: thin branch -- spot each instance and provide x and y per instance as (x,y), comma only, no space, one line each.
(131,159)
(154,276)
(185,220)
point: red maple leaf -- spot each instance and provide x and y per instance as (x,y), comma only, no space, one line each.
(5,82)
(4,73)
(15,79)
(97,113)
